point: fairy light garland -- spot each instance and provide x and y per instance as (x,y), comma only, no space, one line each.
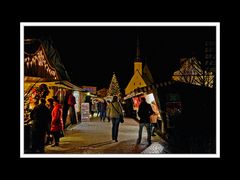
(39,60)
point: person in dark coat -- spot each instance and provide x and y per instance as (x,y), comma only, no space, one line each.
(65,110)
(71,103)
(144,112)
(41,116)
(99,104)
(103,108)
(50,107)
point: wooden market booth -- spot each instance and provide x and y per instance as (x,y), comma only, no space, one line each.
(42,65)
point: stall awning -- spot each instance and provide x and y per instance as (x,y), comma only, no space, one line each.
(63,84)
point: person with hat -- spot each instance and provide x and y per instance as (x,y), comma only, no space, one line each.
(57,122)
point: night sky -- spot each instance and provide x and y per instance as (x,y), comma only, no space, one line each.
(91,54)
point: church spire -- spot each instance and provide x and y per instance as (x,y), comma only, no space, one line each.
(137,61)
(138,50)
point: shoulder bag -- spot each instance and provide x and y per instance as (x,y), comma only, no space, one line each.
(120,115)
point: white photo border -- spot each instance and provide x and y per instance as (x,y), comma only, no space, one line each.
(118,24)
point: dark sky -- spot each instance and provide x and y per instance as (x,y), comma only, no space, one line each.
(91,54)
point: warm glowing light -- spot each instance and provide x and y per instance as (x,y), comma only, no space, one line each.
(39,59)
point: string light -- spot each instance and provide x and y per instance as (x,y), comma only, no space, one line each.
(39,59)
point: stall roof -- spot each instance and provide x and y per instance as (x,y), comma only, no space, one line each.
(63,84)
(53,60)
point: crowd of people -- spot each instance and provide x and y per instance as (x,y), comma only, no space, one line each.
(149,116)
(48,123)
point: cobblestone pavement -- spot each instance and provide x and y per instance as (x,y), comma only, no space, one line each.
(155,148)
(94,137)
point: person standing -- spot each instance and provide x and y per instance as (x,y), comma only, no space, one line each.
(107,111)
(93,108)
(41,116)
(144,112)
(115,111)
(65,109)
(99,104)
(57,122)
(50,107)
(103,109)
(71,103)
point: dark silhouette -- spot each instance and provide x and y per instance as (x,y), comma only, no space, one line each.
(50,107)
(71,103)
(144,112)
(65,109)
(41,116)
(103,109)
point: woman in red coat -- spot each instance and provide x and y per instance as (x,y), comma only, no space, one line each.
(57,122)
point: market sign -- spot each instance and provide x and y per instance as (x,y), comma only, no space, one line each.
(85,112)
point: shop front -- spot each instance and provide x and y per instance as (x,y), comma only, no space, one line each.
(46,77)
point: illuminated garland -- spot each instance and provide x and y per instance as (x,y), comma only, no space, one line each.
(39,60)
(34,95)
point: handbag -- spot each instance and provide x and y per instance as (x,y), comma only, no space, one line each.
(120,115)
(121,119)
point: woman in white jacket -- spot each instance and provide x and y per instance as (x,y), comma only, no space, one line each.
(115,111)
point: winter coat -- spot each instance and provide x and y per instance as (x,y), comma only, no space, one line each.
(57,122)
(71,100)
(113,111)
(40,115)
(144,112)
(103,106)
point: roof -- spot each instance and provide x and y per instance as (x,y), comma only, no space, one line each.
(63,84)
(42,60)
(146,75)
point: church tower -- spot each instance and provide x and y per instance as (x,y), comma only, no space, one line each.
(137,80)
(138,62)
